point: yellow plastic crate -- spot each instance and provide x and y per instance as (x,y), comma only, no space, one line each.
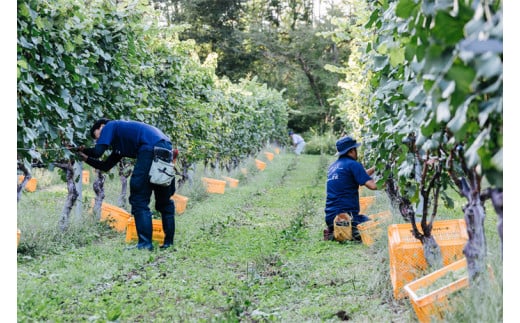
(180,203)
(116,217)
(365,202)
(157,231)
(232,182)
(85,176)
(214,185)
(270,156)
(373,229)
(435,304)
(31,184)
(381,216)
(407,261)
(260,164)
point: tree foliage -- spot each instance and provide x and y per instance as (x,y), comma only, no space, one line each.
(280,42)
(438,105)
(78,61)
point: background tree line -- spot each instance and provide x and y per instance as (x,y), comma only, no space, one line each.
(285,43)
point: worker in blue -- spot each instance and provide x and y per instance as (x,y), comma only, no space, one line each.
(344,178)
(142,142)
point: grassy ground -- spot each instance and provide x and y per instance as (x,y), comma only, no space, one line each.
(255,253)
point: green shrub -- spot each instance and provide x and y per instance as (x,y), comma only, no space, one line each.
(321,144)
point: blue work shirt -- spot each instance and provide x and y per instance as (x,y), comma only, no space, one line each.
(127,138)
(344,177)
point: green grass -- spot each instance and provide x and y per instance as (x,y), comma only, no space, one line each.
(253,254)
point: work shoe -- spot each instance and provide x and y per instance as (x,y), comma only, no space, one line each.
(141,247)
(326,234)
(166,246)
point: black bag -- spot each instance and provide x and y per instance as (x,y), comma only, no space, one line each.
(162,171)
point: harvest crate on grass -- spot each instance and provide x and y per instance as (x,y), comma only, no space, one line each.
(260,164)
(85,177)
(157,231)
(31,184)
(214,185)
(232,182)
(277,150)
(430,294)
(270,156)
(407,261)
(372,230)
(116,217)
(383,216)
(180,203)
(18,234)
(365,202)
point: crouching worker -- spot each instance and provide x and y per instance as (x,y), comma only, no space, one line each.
(344,177)
(145,144)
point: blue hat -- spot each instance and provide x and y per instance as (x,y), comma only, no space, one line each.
(343,145)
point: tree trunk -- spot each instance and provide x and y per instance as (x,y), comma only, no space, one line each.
(125,170)
(403,205)
(98,187)
(312,81)
(474,215)
(72,195)
(26,177)
(78,182)
(475,248)
(432,252)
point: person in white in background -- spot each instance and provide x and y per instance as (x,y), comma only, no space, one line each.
(297,142)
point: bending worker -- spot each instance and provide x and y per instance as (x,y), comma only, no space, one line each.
(140,141)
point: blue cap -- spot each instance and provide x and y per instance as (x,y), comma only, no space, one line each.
(343,145)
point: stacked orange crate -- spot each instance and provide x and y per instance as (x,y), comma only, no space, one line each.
(407,261)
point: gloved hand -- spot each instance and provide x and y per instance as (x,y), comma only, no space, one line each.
(75,148)
(82,155)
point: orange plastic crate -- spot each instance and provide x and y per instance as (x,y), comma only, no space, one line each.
(407,261)
(365,202)
(31,184)
(260,164)
(383,216)
(231,181)
(270,156)
(157,231)
(18,234)
(180,203)
(372,229)
(435,304)
(116,217)
(85,175)
(214,185)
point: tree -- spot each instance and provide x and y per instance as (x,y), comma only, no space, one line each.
(438,80)
(280,42)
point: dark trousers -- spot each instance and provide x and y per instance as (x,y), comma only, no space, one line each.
(140,195)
